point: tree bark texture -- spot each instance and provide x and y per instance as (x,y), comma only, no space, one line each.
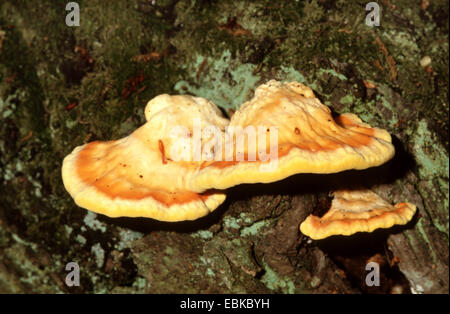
(63,86)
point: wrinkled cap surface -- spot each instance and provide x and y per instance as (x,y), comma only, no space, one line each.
(356,211)
(299,135)
(136,176)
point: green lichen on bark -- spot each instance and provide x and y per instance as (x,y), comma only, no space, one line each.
(63,86)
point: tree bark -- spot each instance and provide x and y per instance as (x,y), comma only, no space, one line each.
(63,86)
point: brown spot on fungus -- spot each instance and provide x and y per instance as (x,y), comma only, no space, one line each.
(161,149)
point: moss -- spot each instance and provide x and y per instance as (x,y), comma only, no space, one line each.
(275,282)
(431,157)
(91,221)
(231,222)
(126,238)
(254,228)
(204,234)
(222,80)
(99,254)
(347,100)
(291,74)
(333,73)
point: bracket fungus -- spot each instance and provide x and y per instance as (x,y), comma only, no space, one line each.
(356,211)
(136,176)
(169,168)
(309,140)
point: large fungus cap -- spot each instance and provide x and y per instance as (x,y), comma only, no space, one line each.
(136,176)
(309,140)
(356,211)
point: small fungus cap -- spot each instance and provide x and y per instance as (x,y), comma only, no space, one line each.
(356,211)
(136,176)
(309,140)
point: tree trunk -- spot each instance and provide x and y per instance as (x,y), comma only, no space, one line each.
(63,86)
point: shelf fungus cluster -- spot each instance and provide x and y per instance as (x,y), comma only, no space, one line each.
(178,165)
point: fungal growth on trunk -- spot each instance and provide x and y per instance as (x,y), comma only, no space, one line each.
(136,176)
(356,211)
(309,140)
(178,164)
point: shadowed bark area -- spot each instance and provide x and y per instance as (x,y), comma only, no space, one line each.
(61,87)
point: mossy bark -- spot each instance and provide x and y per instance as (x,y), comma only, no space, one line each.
(63,86)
